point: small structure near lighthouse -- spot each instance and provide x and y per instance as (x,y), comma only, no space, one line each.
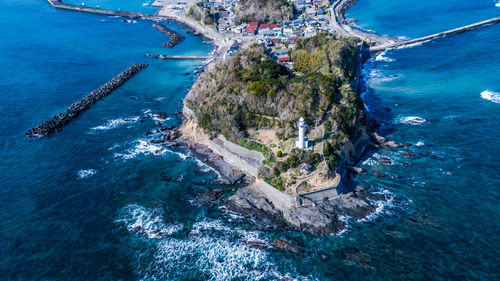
(301,142)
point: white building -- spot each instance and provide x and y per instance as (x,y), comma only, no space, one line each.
(301,142)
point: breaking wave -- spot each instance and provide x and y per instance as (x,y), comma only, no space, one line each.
(146,222)
(86,173)
(382,57)
(142,147)
(111,124)
(491,96)
(212,251)
(412,120)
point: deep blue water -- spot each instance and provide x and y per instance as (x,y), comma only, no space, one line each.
(86,203)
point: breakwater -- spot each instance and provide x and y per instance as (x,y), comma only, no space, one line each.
(440,34)
(60,5)
(175,38)
(165,57)
(58,121)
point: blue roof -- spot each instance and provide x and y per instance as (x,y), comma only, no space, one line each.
(321,19)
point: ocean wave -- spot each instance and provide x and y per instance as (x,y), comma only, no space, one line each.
(114,123)
(491,96)
(86,173)
(412,120)
(142,147)
(412,45)
(156,117)
(382,57)
(420,143)
(215,251)
(146,222)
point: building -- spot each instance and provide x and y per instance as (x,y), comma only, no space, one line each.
(301,141)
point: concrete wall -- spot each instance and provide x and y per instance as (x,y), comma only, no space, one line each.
(280,200)
(235,159)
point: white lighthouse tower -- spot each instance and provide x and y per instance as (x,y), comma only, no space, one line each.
(301,142)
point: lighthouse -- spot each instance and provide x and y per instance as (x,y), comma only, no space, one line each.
(301,142)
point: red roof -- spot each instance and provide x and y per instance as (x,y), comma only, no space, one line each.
(251,28)
(265,25)
(284,59)
(275,40)
(254,23)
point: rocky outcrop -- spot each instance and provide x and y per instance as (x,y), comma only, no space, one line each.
(320,218)
(175,38)
(57,122)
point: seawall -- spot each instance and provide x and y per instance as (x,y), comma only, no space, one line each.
(58,121)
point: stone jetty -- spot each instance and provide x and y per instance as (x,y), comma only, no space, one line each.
(58,121)
(166,57)
(175,38)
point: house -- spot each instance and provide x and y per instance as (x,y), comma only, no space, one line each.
(252,28)
(287,31)
(310,11)
(311,22)
(283,59)
(275,40)
(298,23)
(300,4)
(235,46)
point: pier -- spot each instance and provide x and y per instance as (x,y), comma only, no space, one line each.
(134,15)
(58,121)
(166,57)
(437,35)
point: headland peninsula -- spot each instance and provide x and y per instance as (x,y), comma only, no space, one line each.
(277,109)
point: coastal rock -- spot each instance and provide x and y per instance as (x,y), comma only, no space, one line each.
(358,170)
(408,154)
(391,144)
(209,196)
(318,218)
(380,175)
(378,139)
(281,244)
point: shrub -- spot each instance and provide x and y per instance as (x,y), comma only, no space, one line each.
(279,153)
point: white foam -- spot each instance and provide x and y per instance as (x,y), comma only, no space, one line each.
(215,251)
(497,4)
(420,143)
(382,57)
(147,222)
(381,206)
(142,147)
(491,96)
(86,173)
(155,117)
(412,120)
(115,123)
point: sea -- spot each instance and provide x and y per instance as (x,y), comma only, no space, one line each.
(100,201)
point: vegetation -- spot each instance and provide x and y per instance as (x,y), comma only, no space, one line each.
(264,11)
(251,91)
(200,14)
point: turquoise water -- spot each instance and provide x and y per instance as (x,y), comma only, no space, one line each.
(87,203)
(416,18)
(142,6)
